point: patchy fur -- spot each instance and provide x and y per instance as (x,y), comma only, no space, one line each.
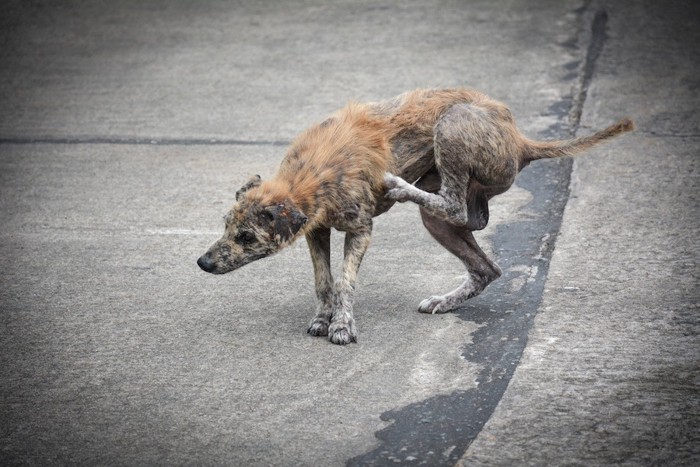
(449,151)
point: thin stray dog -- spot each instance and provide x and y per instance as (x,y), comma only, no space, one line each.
(449,151)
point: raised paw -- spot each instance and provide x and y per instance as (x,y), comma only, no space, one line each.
(435,304)
(318,327)
(392,181)
(396,188)
(397,194)
(342,333)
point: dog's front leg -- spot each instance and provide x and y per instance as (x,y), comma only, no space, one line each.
(342,329)
(319,241)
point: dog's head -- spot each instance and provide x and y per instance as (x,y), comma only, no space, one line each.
(255,228)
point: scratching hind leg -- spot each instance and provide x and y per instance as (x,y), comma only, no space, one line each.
(473,156)
(469,210)
(459,241)
(449,201)
(400,190)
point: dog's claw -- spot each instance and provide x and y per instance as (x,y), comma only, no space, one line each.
(318,327)
(342,334)
(398,189)
(395,188)
(433,305)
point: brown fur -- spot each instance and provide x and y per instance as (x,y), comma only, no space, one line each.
(459,147)
(322,172)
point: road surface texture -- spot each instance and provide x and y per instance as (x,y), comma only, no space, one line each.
(125,129)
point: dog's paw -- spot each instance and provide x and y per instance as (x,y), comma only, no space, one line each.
(392,181)
(435,304)
(342,333)
(397,189)
(318,327)
(397,194)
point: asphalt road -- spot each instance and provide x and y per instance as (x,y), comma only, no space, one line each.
(125,130)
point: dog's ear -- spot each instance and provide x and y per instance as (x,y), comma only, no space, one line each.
(285,220)
(254,181)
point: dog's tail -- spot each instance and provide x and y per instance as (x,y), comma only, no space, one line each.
(550,149)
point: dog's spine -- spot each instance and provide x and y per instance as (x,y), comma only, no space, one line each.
(535,150)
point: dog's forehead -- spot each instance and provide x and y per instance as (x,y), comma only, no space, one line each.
(242,213)
(235,215)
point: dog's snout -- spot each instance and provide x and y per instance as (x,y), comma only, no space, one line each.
(205,262)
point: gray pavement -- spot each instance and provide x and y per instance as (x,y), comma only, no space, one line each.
(611,372)
(126,128)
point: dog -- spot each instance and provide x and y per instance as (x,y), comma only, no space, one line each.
(449,151)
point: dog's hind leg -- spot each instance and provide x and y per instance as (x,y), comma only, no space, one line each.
(474,155)
(319,241)
(342,329)
(460,242)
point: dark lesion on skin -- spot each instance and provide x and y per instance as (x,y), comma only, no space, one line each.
(327,122)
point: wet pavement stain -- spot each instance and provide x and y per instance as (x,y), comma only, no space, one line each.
(438,430)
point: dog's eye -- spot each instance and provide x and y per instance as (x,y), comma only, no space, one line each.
(245,238)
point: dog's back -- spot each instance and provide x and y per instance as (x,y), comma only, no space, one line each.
(334,171)
(410,121)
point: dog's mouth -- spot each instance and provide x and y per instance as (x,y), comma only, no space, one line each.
(206,263)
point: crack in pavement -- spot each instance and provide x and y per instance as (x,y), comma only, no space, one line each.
(597,40)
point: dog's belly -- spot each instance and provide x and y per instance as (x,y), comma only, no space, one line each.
(414,160)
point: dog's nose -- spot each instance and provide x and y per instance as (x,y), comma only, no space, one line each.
(206,263)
